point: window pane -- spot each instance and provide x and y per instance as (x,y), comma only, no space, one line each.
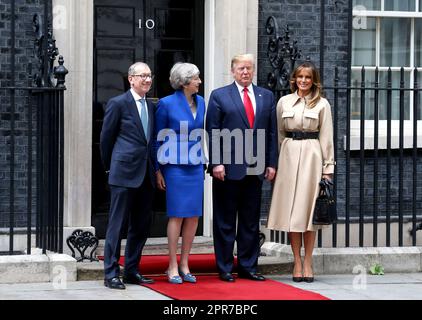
(368,4)
(399,5)
(382,95)
(418,42)
(419,93)
(395,96)
(420,105)
(363,53)
(356,95)
(395,42)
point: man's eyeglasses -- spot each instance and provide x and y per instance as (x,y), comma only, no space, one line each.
(144,76)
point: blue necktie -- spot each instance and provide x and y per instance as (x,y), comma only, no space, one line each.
(144,116)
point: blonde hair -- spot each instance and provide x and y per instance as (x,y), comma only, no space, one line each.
(243,57)
(316,90)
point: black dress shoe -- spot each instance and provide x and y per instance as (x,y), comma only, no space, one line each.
(297,279)
(308,279)
(251,276)
(226,276)
(114,283)
(137,278)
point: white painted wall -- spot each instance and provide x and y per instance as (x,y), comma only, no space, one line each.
(73,30)
(231,27)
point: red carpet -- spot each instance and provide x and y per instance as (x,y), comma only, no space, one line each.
(157,264)
(198,264)
(210,287)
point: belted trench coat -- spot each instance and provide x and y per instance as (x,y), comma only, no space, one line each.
(301,163)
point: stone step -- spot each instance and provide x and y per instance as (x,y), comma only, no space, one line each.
(159,246)
(354,260)
(278,259)
(87,271)
(266,265)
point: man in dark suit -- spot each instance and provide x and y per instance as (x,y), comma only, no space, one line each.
(126,150)
(241,126)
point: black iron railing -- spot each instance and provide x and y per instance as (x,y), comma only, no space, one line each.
(35,144)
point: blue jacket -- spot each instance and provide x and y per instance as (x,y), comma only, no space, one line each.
(181,135)
(226,111)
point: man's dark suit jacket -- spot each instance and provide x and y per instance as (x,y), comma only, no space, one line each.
(226,111)
(125,149)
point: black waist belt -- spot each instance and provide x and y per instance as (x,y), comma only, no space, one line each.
(300,135)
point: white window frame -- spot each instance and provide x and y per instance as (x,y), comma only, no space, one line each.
(382,124)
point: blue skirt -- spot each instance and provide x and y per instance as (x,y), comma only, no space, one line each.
(184,190)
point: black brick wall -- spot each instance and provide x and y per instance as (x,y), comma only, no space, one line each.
(303,18)
(24,43)
(304,21)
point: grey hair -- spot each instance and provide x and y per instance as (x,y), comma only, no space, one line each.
(181,74)
(135,66)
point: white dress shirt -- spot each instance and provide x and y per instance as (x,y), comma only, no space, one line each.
(137,97)
(250,93)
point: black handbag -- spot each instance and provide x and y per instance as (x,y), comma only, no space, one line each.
(325,207)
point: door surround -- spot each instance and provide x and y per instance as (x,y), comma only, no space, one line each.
(231,27)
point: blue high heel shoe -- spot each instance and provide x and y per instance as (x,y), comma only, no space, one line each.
(187,277)
(174,279)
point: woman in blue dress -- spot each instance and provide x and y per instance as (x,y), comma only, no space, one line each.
(179,126)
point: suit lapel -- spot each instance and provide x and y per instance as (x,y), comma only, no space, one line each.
(134,112)
(200,109)
(181,101)
(259,103)
(237,101)
(150,118)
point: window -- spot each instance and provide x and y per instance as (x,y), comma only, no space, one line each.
(399,5)
(386,33)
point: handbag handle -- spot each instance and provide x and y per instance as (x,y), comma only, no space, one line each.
(326,187)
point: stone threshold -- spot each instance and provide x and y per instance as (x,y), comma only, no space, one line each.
(38,267)
(155,246)
(275,259)
(354,260)
(266,265)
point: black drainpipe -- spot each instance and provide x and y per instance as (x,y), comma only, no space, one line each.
(322,41)
(349,44)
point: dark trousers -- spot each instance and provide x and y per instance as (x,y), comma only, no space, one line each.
(129,207)
(239,199)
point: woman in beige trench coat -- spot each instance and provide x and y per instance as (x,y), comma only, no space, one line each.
(305,137)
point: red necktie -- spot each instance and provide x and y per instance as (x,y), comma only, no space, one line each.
(248,107)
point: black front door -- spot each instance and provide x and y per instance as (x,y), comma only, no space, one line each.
(158,32)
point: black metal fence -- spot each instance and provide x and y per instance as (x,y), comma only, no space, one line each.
(378,173)
(33,135)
